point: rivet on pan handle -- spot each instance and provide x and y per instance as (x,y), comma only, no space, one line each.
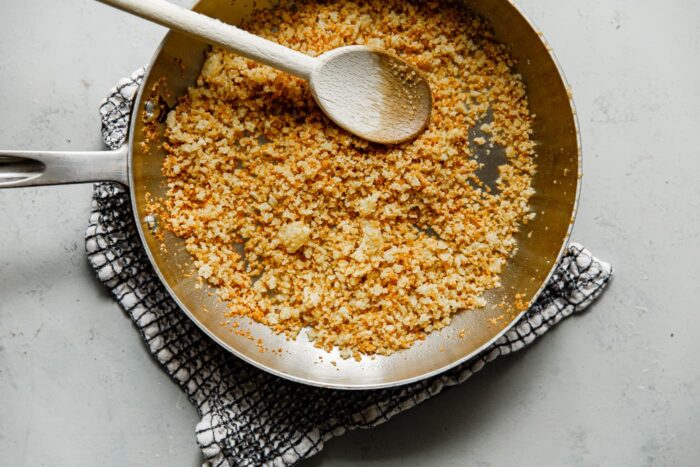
(38,168)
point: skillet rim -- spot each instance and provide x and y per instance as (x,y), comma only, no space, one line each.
(329,385)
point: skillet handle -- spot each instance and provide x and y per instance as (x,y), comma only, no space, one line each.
(38,168)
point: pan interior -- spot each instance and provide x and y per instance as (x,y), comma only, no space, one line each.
(176,66)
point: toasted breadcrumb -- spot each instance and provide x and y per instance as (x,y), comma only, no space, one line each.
(294,236)
(368,247)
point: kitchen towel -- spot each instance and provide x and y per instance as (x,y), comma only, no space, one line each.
(250,417)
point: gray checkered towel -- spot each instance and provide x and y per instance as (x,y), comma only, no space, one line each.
(250,417)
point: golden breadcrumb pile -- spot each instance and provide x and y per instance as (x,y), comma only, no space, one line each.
(369,247)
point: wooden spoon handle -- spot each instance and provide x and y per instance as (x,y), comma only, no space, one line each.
(216,32)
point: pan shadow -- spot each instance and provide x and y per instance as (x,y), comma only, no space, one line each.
(458,413)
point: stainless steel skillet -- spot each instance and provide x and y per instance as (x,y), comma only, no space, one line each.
(176,65)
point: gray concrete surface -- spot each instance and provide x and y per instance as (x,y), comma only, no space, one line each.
(619,386)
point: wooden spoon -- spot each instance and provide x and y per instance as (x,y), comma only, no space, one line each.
(366,91)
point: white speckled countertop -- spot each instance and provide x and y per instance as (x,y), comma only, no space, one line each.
(618,386)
